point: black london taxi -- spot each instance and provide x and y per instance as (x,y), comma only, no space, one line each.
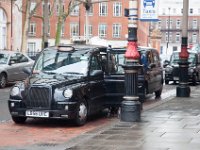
(150,75)
(65,82)
(172,68)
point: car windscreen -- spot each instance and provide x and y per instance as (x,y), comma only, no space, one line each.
(62,62)
(175,58)
(3,58)
(117,60)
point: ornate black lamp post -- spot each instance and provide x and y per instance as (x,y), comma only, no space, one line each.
(130,106)
(183,89)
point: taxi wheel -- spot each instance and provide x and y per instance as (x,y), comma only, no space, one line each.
(3,80)
(194,80)
(82,113)
(159,92)
(166,82)
(19,120)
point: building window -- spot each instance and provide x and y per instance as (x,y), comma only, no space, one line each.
(159,24)
(4,38)
(57,9)
(177,37)
(169,25)
(174,10)
(62,29)
(103,9)
(102,30)
(117,9)
(191,11)
(194,38)
(31,49)
(49,7)
(166,37)
(178,24)
(194,24)
(89,32)
(90,12)
(32,7)
(170,36)
(3,29)
(175,48)
(116,30)
(75,11)
(49,29)
(74,29)
(32,28)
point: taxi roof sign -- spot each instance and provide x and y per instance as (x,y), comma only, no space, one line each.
(65,48)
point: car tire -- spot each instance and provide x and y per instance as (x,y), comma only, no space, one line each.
(166,82)
(19,120)
(159,92)
(3,80)
(142,98)
(82,113)
(194,80)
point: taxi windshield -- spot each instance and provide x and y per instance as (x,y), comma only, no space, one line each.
(62,62)
(175,58)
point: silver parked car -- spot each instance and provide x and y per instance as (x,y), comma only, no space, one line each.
(11,66)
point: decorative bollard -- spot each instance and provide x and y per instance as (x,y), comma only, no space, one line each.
(131,106)
(183,89)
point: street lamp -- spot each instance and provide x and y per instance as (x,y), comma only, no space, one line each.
(131,106)
(183,90)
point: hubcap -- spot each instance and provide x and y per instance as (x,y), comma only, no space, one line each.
(3,81)
(82,111)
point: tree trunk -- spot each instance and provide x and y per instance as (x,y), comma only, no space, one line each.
(58,31)
(25,28)
(59,24)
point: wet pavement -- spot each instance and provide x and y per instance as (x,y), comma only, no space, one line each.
(169,124)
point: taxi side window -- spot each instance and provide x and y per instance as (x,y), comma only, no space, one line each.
(156,58)
(94,64)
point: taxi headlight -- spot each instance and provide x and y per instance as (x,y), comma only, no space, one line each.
(67,93)
(191,70)
(15,91)
(168,70)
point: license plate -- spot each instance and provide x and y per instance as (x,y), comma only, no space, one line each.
(176,78)
(32,113)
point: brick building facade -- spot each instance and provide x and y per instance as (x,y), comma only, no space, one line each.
(106,21)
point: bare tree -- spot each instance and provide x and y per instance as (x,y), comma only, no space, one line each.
(71,5)
(28,10)
(62,17)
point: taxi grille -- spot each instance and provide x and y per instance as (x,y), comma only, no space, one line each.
(38,97)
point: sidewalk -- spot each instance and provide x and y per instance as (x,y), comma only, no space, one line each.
(172,125)
(169,124)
